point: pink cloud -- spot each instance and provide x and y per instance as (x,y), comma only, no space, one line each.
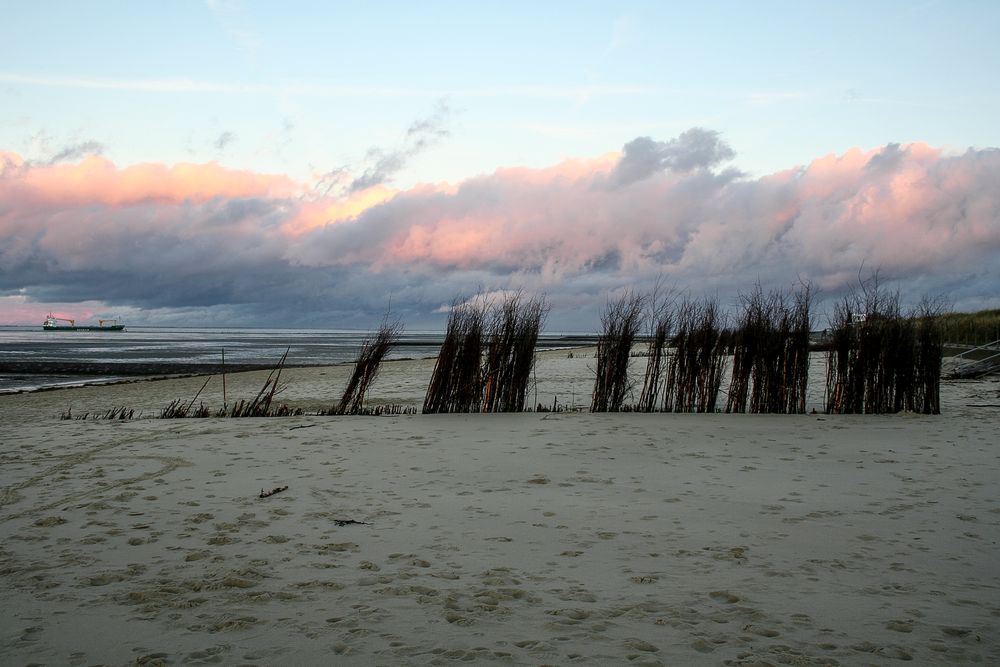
(199,234)
(906,209)
(96,180)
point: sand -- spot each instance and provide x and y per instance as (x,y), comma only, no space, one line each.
(516,539)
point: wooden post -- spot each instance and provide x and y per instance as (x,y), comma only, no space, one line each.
(225,403)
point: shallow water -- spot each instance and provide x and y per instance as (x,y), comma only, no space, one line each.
(162,348)
(165,347)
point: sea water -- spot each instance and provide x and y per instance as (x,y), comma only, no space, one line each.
(164,347)
(172,346)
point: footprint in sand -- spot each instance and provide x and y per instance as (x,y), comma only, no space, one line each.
(702,646)
(900,626)
(724,596)
(763,632)
(641,645)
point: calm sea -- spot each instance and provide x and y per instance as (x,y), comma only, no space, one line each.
(31,358)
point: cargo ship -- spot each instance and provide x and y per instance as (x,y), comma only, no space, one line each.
(54,324)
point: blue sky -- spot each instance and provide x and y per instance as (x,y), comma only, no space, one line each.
(424,149)
(307,86)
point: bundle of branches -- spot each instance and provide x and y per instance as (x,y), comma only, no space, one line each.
(746,342)
(694,373)
(620,323)
(843,392)
(883,361)
(770,349)
(915,350)
(930,348)
(373,351)
(510,354)
(859,366)
(797,351)
(878,357)
(661,320)
(456,383)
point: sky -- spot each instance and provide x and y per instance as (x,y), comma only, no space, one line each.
(237,163)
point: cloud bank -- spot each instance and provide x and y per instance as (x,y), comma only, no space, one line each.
(201,243)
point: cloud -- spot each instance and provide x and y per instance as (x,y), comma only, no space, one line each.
(921,216)
(190,239)
(887,159)
(41,144)
(77,151)
(696,148)
(223,140)
(97,181)
(381,165)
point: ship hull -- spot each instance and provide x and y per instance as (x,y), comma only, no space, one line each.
(115,327)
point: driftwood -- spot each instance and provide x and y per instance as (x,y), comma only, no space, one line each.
(277,489)
(350,522)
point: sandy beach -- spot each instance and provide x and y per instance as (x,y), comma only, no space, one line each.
(536,538)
